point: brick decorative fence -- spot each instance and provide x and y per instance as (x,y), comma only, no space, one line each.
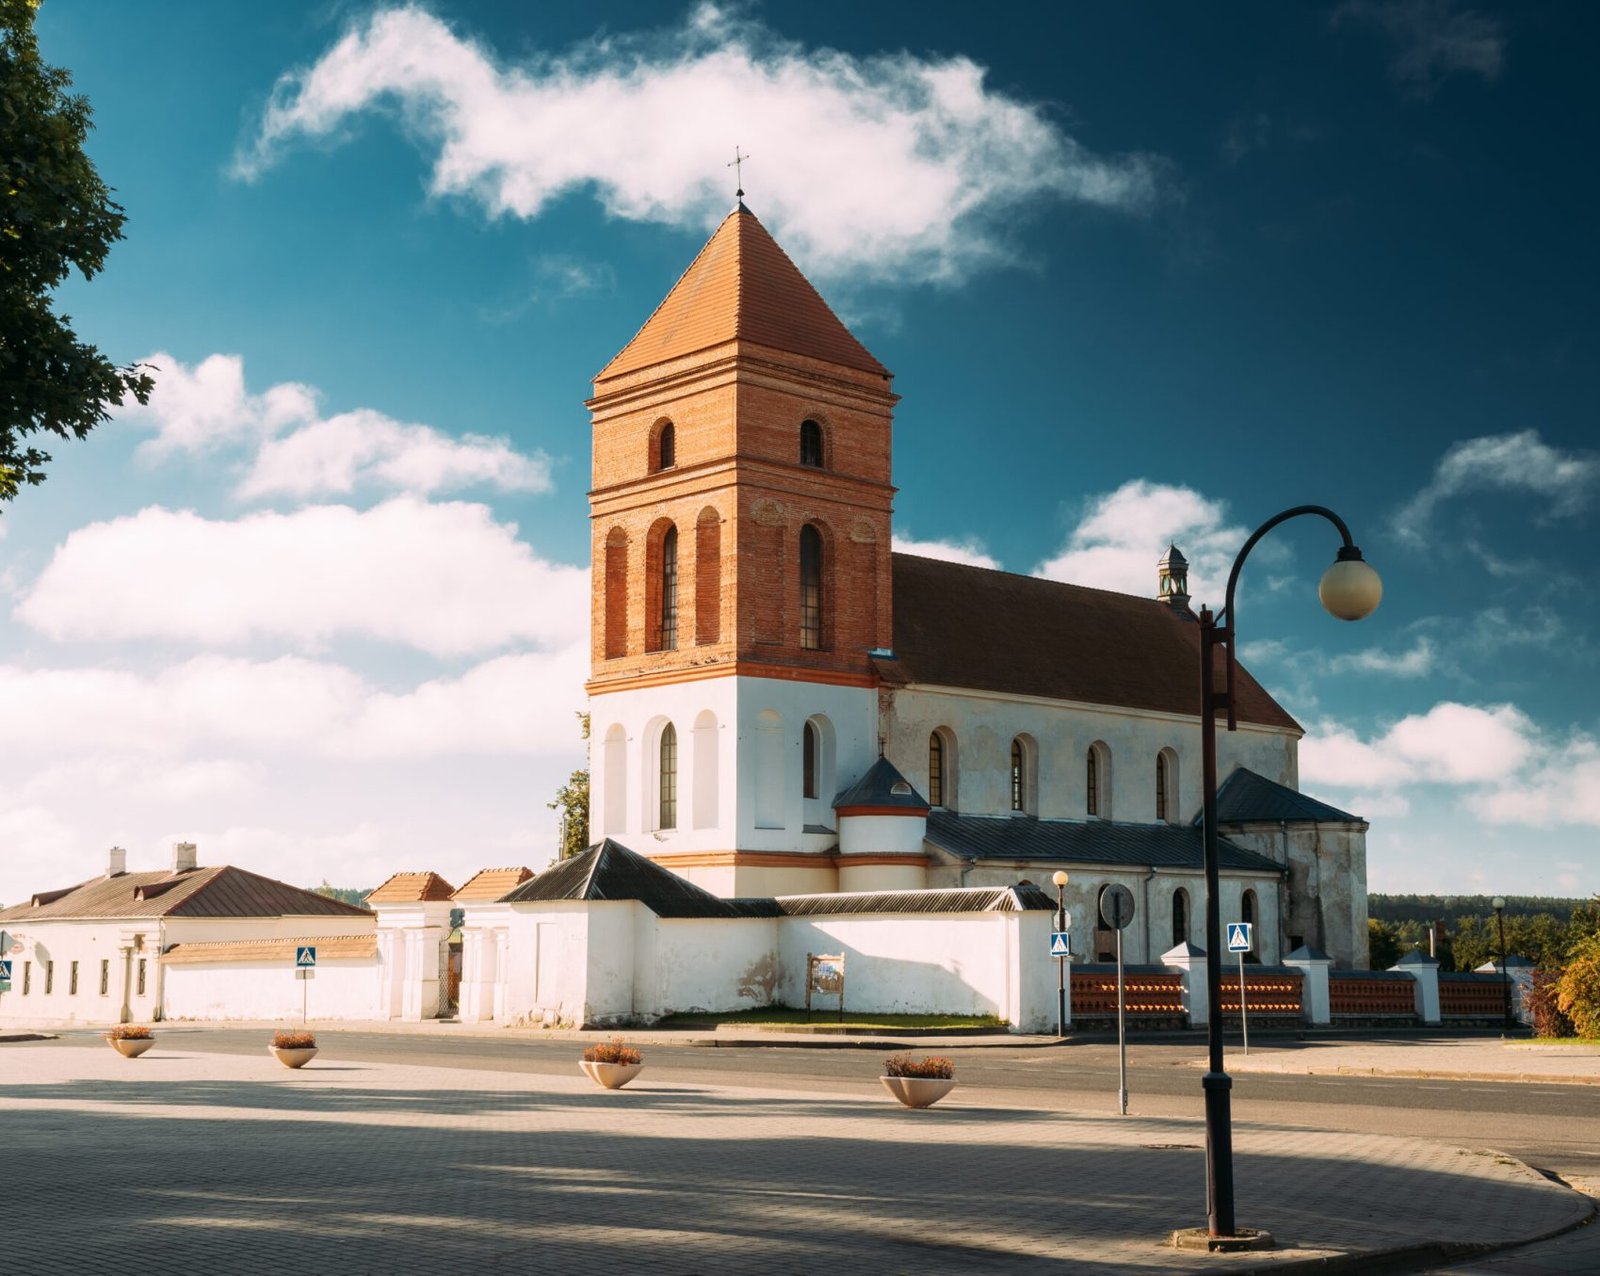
(1471,996)
(1365,994)
(1146,991)
(1268,990)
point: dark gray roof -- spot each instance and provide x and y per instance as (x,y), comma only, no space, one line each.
(882,785)
(984,837)
(1246,798)
(610,871)
(970,899)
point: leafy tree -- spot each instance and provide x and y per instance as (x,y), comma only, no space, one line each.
(572,800)
(345,894)
(56,215)
(1383,944)
(1578,994)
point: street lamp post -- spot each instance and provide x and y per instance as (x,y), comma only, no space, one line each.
(1499,904)
(1061,879)
(1349,590)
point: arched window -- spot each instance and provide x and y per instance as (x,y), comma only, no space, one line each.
(808,760)
(1016,775)
(616,630)
(666,447)
(810,588)
(704,775)
(668,815)
(1247,914)
(811,444)
(935,769)
(1161,786)
(1097,782)
(708,577)
(669,591)
(1167,786)
(1180,917)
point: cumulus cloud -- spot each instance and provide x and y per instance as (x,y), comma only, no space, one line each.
(1123,534)
(631,118)
(1416,661)
(442,578)
(1430,40)
(299,453)
(969,551)
(1566,482)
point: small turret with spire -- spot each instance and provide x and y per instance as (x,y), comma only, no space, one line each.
(1172,579)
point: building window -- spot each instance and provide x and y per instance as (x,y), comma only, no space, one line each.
(616,561)
(140,989)
(810,588)
(669,777)
(1180,917)
(669,590)
(1161,786)
(1092,797)
(1017,794)
(708,577)
(1247,914)
(666,447)
(936,769)
(27,978)
(808,760)
(49,978)
(1097,782)
(811,444)
(72,980)
(105,978)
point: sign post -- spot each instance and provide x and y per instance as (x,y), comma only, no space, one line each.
(5,974)
(1116,910)
(1239,942)
(305,969)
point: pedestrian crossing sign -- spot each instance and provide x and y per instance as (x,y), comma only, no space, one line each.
(305,955)
(1238,937)
(1060,944)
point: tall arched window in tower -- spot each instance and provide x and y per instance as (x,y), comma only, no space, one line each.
(1097,782)
(810,588)
(809,748)
(1180,917)
(1167,787)
(708,577)
(669,591)
(936,785)
(668,814)
(1161,786)
(666,446)
(1017,794)
(616,630)
(811,444)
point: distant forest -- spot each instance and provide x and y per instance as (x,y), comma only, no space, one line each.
(1451,908)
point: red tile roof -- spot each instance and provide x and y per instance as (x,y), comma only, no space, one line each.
(329,948)
(492,883)
(960,626)
(411,888)
(742,287)
(224,891)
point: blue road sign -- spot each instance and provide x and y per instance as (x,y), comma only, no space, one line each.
(5,969)
(1238,937)
(305,955)
(1060,944)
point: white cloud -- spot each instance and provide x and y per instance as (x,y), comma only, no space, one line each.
(1449,744)
(1563,788)
(1430,39)
(443,578)
(969,551)
(1122,536)
(299,453)
(1415,662)
(1566,482)
(890,167)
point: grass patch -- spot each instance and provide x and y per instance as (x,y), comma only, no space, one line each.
(778,1015)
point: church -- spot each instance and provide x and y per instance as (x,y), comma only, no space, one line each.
(781,705)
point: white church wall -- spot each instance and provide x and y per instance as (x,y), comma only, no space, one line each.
(882,834)
(877,876)
(547,962)
(1327,865)
(704,964)
(984,724)
(609,986)
(269,990)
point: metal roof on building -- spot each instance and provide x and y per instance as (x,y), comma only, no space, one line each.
(610,871)
(984,837)
(881,786)
(329,948)
(224,891)
(967,899)
(1247,798)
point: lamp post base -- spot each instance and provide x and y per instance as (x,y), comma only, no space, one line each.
(1243,1238)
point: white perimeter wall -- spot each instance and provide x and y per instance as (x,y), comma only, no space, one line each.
(269,990)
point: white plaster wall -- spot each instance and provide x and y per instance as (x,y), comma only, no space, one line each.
(88,943)
(984,724)
(882,834)
(609,989)
(547,965)
(269,990)
(882,877)
(704,964)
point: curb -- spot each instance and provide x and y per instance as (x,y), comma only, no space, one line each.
(1426,1074)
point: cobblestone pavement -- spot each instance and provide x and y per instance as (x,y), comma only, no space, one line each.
(215,1163)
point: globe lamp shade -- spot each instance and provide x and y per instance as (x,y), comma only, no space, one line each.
(1350,589)
(1060,878)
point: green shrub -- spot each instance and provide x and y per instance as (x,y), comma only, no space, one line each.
(1540,1000)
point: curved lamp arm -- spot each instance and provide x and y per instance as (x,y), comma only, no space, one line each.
(1347,551)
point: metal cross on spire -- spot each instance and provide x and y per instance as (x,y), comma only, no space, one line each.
(738,172)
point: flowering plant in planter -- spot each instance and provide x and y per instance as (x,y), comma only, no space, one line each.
(935,1067)
(613,1051)
(282,1040)
(129,1032)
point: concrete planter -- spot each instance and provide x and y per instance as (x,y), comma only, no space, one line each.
(611,1075)
(918,1092)
(131,1047)
(295,1058)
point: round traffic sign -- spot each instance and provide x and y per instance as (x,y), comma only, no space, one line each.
(1116,906)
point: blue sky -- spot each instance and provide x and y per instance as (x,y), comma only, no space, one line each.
(1143,272)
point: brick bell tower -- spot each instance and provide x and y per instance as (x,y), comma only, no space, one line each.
(741,572)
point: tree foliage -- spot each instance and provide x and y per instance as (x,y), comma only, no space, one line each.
(1578,994)
(56,216)
(572,800)
(344,894)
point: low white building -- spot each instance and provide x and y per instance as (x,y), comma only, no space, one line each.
(189,941)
